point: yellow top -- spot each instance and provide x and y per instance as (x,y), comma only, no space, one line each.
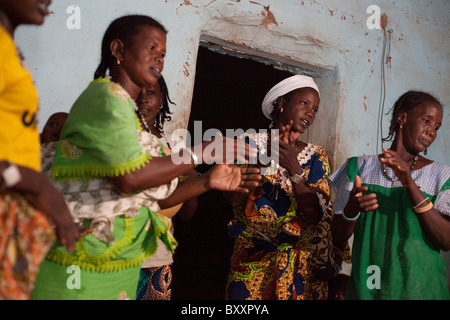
(19,135)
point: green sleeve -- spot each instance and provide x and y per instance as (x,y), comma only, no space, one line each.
(99,137)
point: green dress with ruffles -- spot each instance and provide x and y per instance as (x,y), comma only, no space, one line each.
(102,138)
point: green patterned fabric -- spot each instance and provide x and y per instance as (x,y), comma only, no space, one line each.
(102,138)
(98,138)
(105,272)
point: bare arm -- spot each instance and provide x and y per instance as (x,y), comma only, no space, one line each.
(43,196)
(220,177)
(161,170)
(436,226)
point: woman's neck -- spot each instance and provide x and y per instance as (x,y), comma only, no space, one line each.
(400,149)
(119,76)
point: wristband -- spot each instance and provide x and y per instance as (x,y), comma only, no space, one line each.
(417,205)
(297,177)
(425,208)
(350,219)
(11,176)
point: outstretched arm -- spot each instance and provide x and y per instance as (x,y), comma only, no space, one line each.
(220,177)
(161,170)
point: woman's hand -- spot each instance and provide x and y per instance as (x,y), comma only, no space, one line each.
(401,169)
(227,178)
(224,150)
(287,135)
(357,202)
(43,196)
(288,150)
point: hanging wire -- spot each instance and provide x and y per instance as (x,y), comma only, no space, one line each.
(382,94)
(385,60)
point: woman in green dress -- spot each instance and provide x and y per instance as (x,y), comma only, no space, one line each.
(114,175)
(397,204)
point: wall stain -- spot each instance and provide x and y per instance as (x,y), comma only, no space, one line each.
(186,72)
(269,18)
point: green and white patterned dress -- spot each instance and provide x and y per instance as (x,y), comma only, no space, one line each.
(102,138)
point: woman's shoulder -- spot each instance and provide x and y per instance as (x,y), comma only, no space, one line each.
(436,173)
(106,87)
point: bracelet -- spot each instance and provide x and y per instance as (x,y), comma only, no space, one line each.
(193,155)
(415,207)
(425,208)
(350,219)
(296,178)
(11,176)
(336,269)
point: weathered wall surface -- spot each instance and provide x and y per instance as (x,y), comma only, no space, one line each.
(329,38)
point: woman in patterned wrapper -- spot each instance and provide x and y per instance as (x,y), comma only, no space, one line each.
(32,211)
(283,248)
(397,205)
(155,281)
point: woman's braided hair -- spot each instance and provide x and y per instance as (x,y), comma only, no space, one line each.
(405,103)
(164,111)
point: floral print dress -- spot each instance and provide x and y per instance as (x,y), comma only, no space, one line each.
(276,249)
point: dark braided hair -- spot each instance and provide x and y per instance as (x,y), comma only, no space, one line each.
(123,28)
(164,111)
(405,103)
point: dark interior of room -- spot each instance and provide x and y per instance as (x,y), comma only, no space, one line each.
(228,93)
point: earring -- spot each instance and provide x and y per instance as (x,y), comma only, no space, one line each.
(118,61)
(401,125)
(281,110)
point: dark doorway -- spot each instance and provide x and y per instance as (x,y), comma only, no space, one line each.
(228,94)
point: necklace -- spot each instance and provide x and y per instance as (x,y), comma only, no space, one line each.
(383,169)
(141,117)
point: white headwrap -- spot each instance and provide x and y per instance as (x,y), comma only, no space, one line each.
(286,86)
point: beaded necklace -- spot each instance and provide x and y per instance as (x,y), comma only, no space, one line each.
(416,157)
(141,117)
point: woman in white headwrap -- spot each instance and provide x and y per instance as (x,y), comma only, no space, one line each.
(283,248)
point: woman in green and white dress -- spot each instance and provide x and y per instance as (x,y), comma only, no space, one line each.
(397,204)
(113,174)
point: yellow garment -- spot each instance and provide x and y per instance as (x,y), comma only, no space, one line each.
(19,136)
